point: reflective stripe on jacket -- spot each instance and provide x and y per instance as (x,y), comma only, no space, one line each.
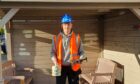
(73,45)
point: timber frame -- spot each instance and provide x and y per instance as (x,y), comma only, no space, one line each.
(70,5)
(14,6)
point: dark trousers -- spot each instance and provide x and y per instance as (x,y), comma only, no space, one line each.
(73,77)
(3,48)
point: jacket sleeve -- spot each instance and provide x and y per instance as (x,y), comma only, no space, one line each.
(81,50)
(53,52)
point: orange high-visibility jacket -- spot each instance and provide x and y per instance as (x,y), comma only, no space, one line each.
(74,45)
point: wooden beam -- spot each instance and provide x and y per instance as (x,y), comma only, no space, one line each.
(136,11)
(69,6)
(95,1)
(8,16)
(51,18)
(4,20)
(43,12)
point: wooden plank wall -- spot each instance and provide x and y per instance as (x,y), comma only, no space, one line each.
(32,44)
(122,44)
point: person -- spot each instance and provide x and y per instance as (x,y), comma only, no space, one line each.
(66,48)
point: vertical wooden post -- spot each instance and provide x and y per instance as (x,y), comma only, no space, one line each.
(8,16)
(8,41)
(3,22)
(101,33)
(1,78)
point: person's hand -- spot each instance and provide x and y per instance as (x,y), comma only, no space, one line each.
(56,64)
(75,62)
(54,61)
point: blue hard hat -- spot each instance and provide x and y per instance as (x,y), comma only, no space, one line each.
(66,18)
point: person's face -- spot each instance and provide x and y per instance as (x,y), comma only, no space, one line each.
(66,28)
